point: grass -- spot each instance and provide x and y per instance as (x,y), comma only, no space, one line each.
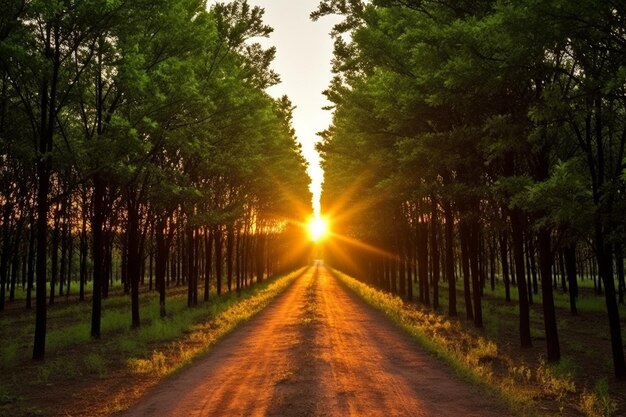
(598,402)
(492,359)
(20,292)
(227,315)
(5,396)
(80,367)
(95,364)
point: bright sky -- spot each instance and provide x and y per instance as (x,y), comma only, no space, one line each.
(303,60)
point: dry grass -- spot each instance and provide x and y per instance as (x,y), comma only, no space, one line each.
(529,389)
(120,368)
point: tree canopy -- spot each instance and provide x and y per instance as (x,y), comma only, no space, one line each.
(497,120)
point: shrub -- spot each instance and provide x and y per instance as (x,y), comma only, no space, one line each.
(95,364)
(155,364)
(598,403)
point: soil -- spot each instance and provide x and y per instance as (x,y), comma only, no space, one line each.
(317,351)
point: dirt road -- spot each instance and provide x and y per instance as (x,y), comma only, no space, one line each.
(316,351)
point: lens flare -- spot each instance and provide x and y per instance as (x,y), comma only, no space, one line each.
(318,229)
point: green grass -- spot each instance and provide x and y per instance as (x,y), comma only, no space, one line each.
(69,325)
(598,402)
(95,364)
(20,292)
(5,396)
(231,310)
(8,354)
(58,369)
(159,347)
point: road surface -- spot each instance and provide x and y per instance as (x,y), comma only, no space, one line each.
(317,350)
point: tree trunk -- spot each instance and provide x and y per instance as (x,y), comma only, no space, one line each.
(84,248)
(529,282)
(492,263)
(217,234)
(6,250)
(422,262)
(504,257)
(260,256)
(619,265)
(409,266)
(63,268)
(16,258)
(434,245)
(518,256)
(569,255)
(107,262)
(41,312)
(549,314)
(97,225)
(465,263)
(134,260)
(562,272)
(54,258)
(230,236)
(449,237)
(533,264)
(70,254)
(48,113)
(160,262)
(238,268)
(208,259)
(605,267)
(191,266)
(31,261)
(474,268)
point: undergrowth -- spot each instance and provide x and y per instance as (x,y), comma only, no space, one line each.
(598,403)
(480,360)
(159,347)
(224,317)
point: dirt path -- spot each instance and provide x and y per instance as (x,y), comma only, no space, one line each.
(316,351)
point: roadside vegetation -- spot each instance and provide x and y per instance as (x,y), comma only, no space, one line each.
(476,166)
(131,361)
(576,386)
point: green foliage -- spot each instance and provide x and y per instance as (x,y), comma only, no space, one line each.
(71,335)
(95,364)
(598,403)
(5,396)
(9,354)
(564,198)
(58,368)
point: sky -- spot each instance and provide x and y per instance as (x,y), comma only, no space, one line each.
(303,61)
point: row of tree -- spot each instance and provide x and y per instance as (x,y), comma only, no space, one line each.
(134,130)
(488,135)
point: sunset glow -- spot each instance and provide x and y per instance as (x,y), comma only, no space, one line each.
(318,229)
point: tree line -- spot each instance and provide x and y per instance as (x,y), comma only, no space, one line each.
(475,138)
(137,141)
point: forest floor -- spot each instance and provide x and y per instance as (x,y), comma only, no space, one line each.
(580,384)
(318,350)
(93,378)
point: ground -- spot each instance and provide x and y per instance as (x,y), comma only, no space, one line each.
(317,351)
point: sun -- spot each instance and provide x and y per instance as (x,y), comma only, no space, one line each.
(318,229)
